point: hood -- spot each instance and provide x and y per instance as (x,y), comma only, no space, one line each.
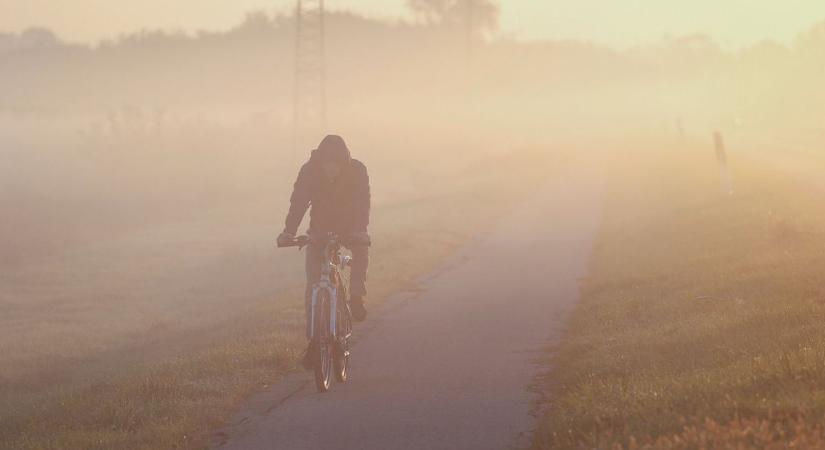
(332,148)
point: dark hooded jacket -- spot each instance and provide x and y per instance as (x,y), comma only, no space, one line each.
(341,206)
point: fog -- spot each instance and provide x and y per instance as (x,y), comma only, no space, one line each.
(144,179)
(209,116)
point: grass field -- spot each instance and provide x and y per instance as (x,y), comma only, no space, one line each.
(151,338)
(700,324)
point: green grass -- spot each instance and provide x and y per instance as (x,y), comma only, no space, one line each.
(700,324)
(163,389)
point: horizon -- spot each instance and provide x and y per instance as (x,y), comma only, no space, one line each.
(524,22)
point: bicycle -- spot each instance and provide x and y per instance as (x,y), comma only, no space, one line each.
(329,332)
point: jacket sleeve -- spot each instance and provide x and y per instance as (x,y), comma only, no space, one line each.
(299,201)
(362,199)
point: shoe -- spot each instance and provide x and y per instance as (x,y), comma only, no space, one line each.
(309,357)
(359,310)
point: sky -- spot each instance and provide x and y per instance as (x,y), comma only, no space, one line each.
(620,23)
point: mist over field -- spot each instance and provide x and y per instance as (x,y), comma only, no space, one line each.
(143,179)
(200,111)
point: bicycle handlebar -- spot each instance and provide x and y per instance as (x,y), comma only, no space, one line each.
(304,240)
(300,241)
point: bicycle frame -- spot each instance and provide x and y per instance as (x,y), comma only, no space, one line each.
(332,349)
(330,269)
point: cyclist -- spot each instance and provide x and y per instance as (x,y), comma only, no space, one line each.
(337,188)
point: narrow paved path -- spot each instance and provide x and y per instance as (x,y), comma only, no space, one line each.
(448,367)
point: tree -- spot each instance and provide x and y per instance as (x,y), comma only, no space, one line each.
(38,37)
(456,12)
(812,41)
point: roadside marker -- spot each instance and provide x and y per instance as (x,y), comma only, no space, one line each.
(722,160)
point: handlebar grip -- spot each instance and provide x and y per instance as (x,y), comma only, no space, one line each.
(300,241)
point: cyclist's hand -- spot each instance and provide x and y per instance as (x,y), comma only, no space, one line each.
(360,238)
(285,239)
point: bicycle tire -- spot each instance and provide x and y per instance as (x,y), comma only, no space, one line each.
(341,360)
(325,343)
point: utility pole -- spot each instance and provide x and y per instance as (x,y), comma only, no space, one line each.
(310,96)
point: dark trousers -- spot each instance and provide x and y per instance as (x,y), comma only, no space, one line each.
(358,273)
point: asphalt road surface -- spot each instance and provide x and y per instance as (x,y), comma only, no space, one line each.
(449,366)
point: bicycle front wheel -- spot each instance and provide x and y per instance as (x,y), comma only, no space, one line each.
(325,343)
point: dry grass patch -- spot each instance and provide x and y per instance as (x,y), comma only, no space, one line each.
(700,325)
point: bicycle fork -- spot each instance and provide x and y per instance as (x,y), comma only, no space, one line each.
(333,308)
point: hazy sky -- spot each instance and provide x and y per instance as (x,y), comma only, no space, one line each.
(617,22)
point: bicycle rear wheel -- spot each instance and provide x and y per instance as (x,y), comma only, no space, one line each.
(325,343)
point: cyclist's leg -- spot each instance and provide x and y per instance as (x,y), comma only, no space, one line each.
(358,275)
(314,255)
